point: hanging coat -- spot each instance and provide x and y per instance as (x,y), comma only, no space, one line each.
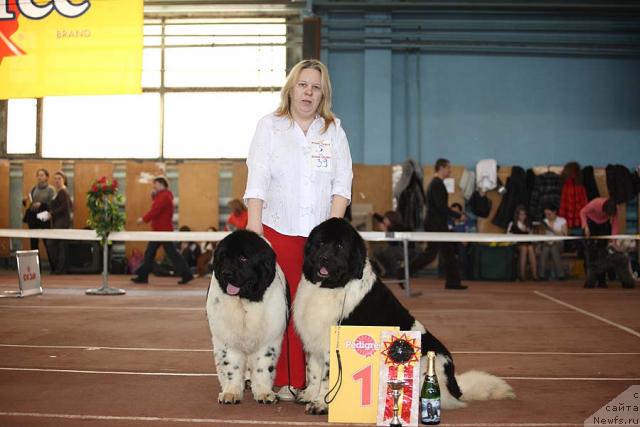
(589,182)
(620,183)
(515,195)
(546,192)
(410,194)
(572,199)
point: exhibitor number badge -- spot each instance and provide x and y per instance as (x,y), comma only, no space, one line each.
(321,156)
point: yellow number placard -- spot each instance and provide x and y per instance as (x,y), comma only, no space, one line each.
(360,348)
(88,47)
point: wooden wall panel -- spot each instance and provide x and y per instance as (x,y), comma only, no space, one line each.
(198,190)
(484,224)
(138,196)
(372,185)
(4,205)
(238,179)
(29,169)
(84,173)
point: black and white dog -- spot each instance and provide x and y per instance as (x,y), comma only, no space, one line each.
(247,312)
(339,286)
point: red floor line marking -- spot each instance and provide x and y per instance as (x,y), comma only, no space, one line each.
(78,371)
(587,313)
(210,350)
(252,422)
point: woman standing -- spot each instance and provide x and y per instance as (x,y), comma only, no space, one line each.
(38,200)
(299,175)
(60,212)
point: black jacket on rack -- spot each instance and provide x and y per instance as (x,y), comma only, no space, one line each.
(620,183)
(589,182)
(411,204)
(515,195)
(546,191)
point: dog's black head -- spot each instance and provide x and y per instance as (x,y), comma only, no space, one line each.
(244,265)
(334,254)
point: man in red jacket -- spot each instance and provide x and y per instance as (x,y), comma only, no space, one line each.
(161,217)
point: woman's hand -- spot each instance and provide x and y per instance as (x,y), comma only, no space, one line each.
(587,232)
(254,206)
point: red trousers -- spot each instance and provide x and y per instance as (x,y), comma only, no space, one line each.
(291,369)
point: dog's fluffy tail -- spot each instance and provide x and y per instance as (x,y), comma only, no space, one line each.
(478,385)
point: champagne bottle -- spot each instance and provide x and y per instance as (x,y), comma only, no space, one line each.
(430,394)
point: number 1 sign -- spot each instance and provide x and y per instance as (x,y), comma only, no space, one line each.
(360,348)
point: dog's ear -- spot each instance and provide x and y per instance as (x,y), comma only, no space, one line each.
(266,266)
(307,263)
(358,255)
(218,255)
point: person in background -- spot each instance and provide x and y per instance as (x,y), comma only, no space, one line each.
(460,225)
(205,261)
(38,200)
(554,225)
(60,213)
(239,216)
(389,257)
(161,217)
(190,251)
(438,214)
(526,250)
(599,217)
(299,175)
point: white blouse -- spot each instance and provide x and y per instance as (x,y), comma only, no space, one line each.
(296,175)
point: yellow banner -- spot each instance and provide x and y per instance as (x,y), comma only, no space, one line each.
(64,47)
(360,348)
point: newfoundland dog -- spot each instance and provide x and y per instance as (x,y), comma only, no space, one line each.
(247,312)
(339,287)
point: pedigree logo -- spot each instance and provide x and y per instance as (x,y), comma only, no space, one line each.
(10,10)
(364,345)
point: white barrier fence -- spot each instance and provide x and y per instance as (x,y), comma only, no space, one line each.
(215,236)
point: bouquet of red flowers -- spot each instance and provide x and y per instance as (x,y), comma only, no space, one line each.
(105,205)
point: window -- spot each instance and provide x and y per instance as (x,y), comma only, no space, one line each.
(21,126)
(213,125)
(215,77)
(113,126)
(224,54)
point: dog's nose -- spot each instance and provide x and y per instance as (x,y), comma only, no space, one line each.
(227,275)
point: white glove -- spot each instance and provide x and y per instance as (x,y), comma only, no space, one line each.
(44,216)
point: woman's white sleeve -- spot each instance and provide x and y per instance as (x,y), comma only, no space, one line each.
(259,175)
(343,171)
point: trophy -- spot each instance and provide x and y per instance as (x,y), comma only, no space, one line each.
(399,372)
(396,390)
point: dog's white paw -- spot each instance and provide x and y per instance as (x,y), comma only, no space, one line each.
(316,408)
(304,396)
(266,398)
(229,398)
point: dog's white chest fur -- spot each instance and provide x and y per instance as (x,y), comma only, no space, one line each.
(247,325)
(316,309)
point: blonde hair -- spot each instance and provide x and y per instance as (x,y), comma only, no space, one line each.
(324,108)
